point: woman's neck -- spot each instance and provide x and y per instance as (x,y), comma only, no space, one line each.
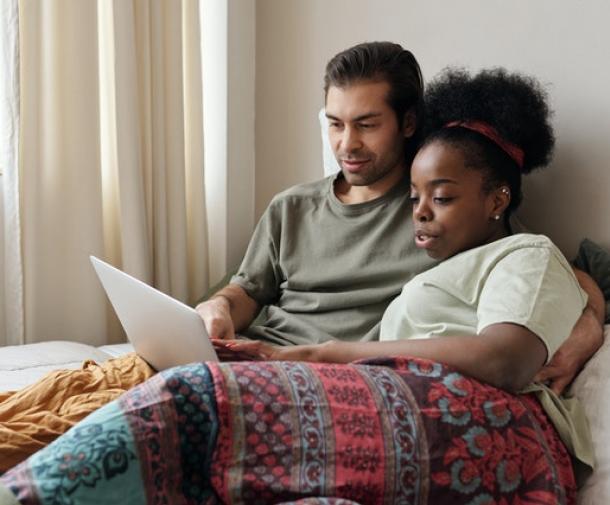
(499,232)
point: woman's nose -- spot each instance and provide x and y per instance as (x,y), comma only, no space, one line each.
(422,212)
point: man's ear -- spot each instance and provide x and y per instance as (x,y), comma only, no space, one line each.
(409,123)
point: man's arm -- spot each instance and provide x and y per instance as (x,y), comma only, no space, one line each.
(228,311)
(231,309)
(585,339)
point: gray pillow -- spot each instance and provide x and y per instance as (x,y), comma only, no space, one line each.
(595,260)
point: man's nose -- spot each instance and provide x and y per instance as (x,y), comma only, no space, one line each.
(351,140)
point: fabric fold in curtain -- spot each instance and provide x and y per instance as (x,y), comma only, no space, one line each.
(11,272)
(112,157)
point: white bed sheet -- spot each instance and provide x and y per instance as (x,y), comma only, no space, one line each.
(23,365)
(592,388)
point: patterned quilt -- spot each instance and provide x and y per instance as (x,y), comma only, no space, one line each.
(389,431)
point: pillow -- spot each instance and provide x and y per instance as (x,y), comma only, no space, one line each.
(595,260)
(328,157)
(592,388)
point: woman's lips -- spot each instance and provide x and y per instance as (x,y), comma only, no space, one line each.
(424,240)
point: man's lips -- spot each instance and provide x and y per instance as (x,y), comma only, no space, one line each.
(352,165)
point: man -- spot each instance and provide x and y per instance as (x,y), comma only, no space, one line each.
(328,257)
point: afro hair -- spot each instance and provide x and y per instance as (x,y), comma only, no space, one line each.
(514,104)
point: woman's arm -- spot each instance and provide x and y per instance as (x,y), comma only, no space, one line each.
(504,355)
(584,340)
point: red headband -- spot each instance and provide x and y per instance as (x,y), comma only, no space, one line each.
(485,129)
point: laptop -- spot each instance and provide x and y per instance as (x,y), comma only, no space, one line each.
(162,330)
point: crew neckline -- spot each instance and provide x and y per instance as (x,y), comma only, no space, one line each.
(350,209)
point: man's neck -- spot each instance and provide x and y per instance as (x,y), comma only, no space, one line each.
(350,194)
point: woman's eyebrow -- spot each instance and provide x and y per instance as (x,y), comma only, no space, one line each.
(439,182)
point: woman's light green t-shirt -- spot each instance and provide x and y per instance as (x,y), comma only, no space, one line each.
(521,279)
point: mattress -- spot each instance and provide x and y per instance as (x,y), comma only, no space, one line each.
(22,365)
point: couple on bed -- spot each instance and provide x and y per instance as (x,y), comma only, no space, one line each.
(445,420)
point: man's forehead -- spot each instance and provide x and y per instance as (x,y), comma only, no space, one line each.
(357,99)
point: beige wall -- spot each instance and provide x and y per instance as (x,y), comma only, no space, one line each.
(565,43)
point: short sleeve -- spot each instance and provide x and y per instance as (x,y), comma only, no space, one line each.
(259,273)
(535,288)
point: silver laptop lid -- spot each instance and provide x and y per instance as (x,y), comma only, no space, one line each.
(163,331)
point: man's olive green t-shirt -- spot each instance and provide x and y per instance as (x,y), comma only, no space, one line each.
(326,270)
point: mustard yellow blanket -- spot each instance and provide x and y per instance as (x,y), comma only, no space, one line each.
(34,416)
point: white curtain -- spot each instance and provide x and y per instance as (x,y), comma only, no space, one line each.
(111,157)
(11,273)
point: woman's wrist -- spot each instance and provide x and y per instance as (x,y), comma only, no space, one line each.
(313,353)
(325,352)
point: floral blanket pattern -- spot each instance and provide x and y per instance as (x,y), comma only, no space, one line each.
(388,431)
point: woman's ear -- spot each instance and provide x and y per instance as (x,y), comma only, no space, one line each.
(500,201)
(409,123)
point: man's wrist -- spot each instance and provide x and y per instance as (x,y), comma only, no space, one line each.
(222,300)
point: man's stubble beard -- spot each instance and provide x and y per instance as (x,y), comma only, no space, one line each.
(374,175)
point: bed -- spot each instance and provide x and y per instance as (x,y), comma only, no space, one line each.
(23,365)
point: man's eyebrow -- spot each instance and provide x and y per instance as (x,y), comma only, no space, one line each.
(362,117)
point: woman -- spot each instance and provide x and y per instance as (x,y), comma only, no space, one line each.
(438,426)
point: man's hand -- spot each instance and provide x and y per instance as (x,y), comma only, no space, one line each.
(228,311)
(216,315)
(585,339)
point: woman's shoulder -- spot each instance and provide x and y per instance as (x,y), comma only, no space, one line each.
(523,244)
(511,255)
(523,240)
(520,244)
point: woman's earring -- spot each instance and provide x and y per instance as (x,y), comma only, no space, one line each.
(497,217)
